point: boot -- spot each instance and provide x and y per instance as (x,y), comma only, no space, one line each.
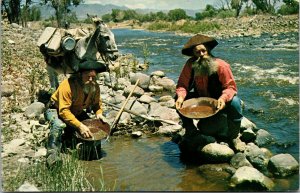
(233,129)
(233,132)
(53,149)
(54,142)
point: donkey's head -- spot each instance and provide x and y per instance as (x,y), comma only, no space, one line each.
(105,40)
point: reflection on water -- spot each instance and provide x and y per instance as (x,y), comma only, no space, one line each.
(155,164)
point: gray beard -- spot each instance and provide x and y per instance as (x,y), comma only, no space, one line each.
(89,88)
(204,67)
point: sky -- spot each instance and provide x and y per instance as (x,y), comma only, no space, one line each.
(157,4)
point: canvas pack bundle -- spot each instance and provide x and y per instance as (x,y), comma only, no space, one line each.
(51,39)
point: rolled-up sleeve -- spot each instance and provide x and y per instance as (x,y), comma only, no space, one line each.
(227,80)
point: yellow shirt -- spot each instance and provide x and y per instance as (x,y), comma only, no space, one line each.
(69,107)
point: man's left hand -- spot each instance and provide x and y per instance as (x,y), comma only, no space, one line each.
(100,116)
(221,104)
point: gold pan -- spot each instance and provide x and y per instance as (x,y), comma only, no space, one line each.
(99,129)
(197,108)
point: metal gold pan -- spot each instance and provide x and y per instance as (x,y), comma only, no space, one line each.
(99,129)
(197,108)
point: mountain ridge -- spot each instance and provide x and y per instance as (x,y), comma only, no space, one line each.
(97,9)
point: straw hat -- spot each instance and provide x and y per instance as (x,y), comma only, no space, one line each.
(196,40)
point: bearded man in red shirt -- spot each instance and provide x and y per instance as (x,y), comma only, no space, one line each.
(208,76)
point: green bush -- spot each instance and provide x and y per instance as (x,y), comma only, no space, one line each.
(200,26)
(285,9)
(226,13)
(161,25)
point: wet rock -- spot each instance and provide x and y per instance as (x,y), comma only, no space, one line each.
(217,153)
(247,124)
(238,144)
(248,135)
(34,110)
(239,160)
(263,138)
(216,171)
(283,165)
(193,142)
(250,177)
(256,156)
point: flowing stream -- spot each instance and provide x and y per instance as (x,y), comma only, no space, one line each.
(266,70)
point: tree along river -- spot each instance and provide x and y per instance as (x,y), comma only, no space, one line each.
(267,75)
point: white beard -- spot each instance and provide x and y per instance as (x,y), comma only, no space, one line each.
(204,66)
(89,88)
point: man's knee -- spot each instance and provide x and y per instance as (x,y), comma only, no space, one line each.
(234,110)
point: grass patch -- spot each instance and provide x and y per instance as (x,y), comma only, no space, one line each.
(70,177)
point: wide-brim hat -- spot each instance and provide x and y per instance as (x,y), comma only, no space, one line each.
(196,40)
(96,65)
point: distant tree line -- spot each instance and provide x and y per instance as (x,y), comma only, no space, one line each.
(22,11)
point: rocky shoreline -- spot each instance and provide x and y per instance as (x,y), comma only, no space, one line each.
(24,129)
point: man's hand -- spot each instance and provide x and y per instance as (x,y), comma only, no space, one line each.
(101,117)
(178,103)
(85,131)
(221,104)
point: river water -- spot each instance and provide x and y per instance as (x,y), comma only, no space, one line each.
(266,70)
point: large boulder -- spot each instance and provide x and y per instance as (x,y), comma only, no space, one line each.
(263,138)
(34,110)
(283,165)
(249,177)
(144,79)
(256,156)
(217,153)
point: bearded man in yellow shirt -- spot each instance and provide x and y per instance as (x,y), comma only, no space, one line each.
(66,109)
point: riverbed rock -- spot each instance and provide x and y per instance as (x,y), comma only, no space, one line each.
(146,99)
(144,79)
(263,138)
(155,88)
(239,160)
(248,135)
(256,156)
(221,171)
(34,110)
(283,165)
(217,153)
(250,177)
(158,73)
(169,129)
(138,91)
(247,124)
(162,112)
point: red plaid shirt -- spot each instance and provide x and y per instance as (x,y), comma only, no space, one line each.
(225,75)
